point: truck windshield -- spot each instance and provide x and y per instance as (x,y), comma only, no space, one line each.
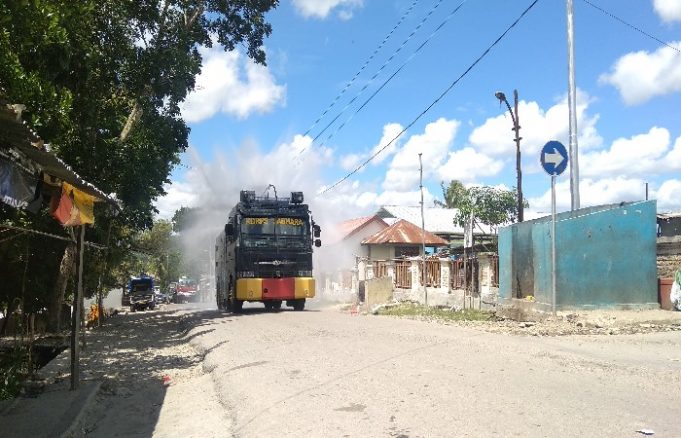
(269,231)
(280,226)
(141,287)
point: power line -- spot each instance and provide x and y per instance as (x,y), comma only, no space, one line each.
(443,94)
(366,63)
(615,17)
(378,72)
(407,61)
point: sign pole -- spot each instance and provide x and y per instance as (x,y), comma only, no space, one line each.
(554,160)
(553,244)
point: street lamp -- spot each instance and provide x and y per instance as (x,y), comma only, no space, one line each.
(516,127)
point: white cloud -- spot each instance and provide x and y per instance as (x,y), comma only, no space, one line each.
(591,192)
(466,165)
(641,155)
(177,195)
(434,143)
(233,84)
(640,76)
(495,137)
(350,161)
(390,131)
(322,8)
(669,196)
(668,10)
(412,197)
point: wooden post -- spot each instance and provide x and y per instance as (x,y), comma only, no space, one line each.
(75,316)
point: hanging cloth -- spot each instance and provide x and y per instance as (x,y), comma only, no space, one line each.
(17,186)
(72,207)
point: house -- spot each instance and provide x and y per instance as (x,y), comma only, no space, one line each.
(437,220)
(401,239)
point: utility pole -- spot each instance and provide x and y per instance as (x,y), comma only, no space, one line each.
(572,107)
(423,233)
(519,173)
(516,127)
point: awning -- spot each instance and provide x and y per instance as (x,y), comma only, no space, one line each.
(15,134)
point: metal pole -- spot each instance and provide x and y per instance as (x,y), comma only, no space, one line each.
(646,191)
(572,107)
(516,128)
(553,244)
(75,316)
(423,233)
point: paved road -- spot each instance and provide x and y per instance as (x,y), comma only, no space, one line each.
(324,373)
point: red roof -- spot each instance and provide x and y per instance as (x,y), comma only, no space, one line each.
(349,227)
(406,233)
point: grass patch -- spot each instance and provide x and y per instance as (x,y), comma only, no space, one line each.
(443,314)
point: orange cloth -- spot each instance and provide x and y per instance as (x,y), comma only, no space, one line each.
(73,207)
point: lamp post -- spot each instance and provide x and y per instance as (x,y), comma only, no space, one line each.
(516,127)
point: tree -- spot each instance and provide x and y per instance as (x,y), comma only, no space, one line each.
(102,81)
(488,205)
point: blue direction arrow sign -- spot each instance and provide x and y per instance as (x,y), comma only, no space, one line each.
(554,158)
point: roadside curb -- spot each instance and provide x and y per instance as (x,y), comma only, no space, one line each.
(55,413)
(90,395)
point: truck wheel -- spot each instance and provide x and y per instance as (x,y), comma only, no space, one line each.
(269,305)
(238,306)
(276,305)
(299,305)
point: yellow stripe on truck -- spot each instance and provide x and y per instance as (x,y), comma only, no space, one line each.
(249,289)
(304,287)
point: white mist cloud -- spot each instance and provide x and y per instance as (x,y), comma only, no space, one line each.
(322,8)
(233,84)
(668,10)
(494,137)
(640,76)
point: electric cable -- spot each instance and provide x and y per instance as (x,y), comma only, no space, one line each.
(366,63)
(442,95)
(378,72)
(407,61)
(615,17)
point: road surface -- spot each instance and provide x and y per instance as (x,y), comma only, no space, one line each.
(327,373)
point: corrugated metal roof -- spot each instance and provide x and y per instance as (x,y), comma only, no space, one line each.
(15,133)
(437,219)
(405,233)
(349,227)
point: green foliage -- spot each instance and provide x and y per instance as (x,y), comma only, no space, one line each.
(488,205)
(13,369)
(436,313)
(102,82)
(184,219)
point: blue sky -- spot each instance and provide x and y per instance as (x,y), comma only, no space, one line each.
(248,121)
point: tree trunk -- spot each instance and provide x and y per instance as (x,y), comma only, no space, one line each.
(66,269)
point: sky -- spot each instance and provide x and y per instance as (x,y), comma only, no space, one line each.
(345,77)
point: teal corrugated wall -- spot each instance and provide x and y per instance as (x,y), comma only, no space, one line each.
(605,256)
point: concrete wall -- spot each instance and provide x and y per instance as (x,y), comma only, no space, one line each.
(378,291)
(605,257)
